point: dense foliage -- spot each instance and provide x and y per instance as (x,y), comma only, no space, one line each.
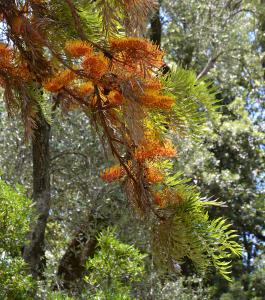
(114,268)
(15,216)
(229,163)
(148,130)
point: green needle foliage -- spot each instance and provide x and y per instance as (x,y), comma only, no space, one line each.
(195,100)
(90,22)
(185,230)
(188,232)
(15,214)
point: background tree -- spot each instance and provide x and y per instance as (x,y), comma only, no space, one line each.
(232,149)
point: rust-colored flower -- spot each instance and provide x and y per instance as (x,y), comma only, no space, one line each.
(5,56)
(86,88)
(134,51)
(62,79)
(115,98)
(153,84)
(159,200)
(113,173)
(96,65)
(166,198)
(78,48)
(153,175)
(153,99)
(22,71)
(18,24)
(153,149)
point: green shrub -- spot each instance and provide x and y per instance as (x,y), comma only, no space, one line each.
(114,268)
(15,216)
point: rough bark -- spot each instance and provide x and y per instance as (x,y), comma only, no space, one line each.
(34,251)
(156,34)
(156,29)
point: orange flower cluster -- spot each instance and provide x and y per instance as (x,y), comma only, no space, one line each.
(86,88)
(133,61)
(136,50)
(62,79)
(12,64)
(96,65)
(153,99)
(5,56)
(153,175)
(153,84)
(78,48)
(159,199)
(22,71)
(166,198)
(115,98)
(113,173)
(154,149)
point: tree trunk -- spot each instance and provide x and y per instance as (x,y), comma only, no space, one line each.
(156,28)
(156,34)
(34,251)
(72,264)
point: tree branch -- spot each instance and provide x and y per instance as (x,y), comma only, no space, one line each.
(210,64)
(76,18)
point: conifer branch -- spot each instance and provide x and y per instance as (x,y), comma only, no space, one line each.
(76,19)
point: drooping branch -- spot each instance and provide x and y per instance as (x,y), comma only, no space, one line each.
(212,61)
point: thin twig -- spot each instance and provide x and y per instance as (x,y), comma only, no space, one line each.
(210,64)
